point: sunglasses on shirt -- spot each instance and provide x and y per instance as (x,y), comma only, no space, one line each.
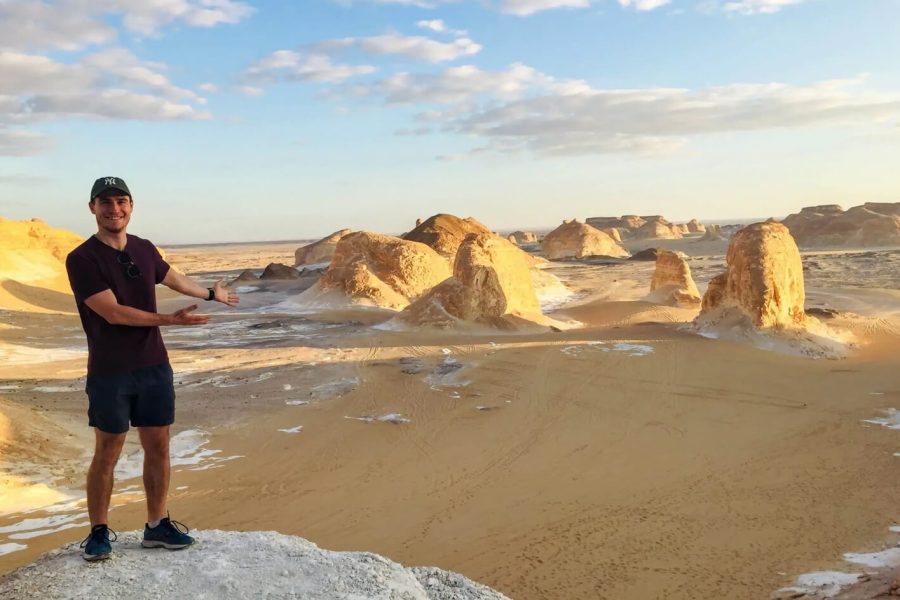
(131,269)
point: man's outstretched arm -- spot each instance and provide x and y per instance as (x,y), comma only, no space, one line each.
(187,286)
(105,304)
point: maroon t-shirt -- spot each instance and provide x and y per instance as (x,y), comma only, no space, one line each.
(93,267)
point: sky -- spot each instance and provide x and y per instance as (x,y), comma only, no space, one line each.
(237,120)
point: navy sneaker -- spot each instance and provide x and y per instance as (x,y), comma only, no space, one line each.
(169,534)
(96,545)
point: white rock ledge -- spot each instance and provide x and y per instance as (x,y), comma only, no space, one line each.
(225,564)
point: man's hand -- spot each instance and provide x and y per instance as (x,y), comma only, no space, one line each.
(224,294)
(184,317)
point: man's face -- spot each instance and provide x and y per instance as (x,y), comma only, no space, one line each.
(113,211)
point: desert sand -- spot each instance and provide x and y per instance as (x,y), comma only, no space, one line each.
(627,457)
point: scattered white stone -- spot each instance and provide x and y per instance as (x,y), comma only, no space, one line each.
(10,548)
(287,387)
(825,584)
(891,421)
(296,402)
(887,558)
(296,429)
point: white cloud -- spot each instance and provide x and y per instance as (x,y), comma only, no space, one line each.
(149,16)
(35,25)
(130,71)
(455,85)
(22,143)
(600,121)
(112,84)
(521,109)
(643,4)
(209,88)
(752,7)
(76,24)
(418,48)
(438,26)
(413,47)
(434,25)
(524,8)
(112,104)
(289,65)
(251,91)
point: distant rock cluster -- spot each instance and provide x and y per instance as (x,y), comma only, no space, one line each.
(637,227)
(871,224)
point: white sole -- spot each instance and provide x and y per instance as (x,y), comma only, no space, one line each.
(157,544)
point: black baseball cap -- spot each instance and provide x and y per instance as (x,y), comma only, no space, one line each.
(109,183)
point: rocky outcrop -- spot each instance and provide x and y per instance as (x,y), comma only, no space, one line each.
(871,224)
(382,270)
(278,271)
(672,283)
(245,276)
(695,226)
(578,240)
(613,232)
(647,254)
(657,227)
(713,234)
(444,233)
(628,223)
(492,285)
(522,237)
(231,564)
(321,251)
(763,278)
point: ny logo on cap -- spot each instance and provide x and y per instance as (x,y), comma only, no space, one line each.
(111,181)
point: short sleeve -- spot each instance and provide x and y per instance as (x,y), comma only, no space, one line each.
(160,266)
(84,277)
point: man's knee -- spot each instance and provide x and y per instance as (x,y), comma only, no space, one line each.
(108,448)
(155,441)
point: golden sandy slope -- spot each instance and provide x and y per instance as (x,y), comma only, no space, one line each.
(32,266)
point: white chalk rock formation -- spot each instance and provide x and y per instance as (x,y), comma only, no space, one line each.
(236,565)
(492,285)
(321,251)
(627,224)
(656,227)
(695,226)
(872,224)
(522,237)
(672,283)
(713,234)
(378,270)
(444,233)
(579,240)
(763,279)
(613,232)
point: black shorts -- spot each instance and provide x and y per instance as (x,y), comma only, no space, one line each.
(145,397)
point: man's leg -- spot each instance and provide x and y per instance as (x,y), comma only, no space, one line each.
(107,449)
(155,441)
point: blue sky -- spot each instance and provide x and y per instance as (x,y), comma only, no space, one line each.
(240,120)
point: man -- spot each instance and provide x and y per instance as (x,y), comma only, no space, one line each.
(113,276)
